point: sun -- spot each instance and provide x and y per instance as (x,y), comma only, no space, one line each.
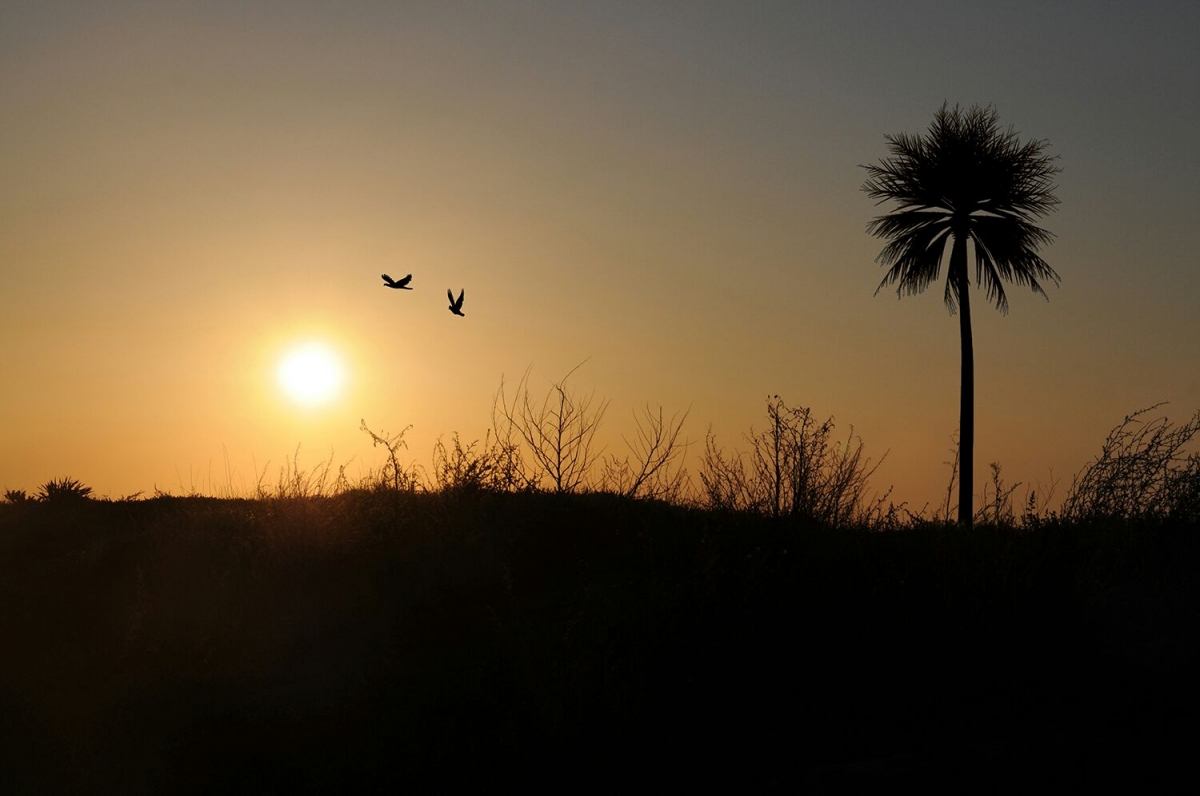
(311,374)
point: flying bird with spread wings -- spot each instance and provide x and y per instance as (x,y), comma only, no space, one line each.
(456,304)
(398,284)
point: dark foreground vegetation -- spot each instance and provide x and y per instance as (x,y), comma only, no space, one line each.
(529,612)
(376,638)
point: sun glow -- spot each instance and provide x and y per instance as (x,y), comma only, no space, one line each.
(311,374)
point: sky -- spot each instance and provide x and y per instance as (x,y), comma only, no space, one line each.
(668,193)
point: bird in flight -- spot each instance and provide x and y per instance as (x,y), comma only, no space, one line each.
(398,284)
(456,304)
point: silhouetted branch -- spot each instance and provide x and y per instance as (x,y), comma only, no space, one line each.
(945,515)
(393,474)
(726,485)
(998,510)
(657,456)
(558,434)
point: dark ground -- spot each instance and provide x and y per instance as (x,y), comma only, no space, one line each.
(369,641)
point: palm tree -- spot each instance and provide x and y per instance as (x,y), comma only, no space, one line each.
(967,180)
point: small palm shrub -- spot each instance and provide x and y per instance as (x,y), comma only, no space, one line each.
(16,496)
(64,490)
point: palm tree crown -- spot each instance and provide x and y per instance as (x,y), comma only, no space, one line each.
(967,179)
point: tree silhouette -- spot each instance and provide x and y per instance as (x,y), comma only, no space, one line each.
(966,180)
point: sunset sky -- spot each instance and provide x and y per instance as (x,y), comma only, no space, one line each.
(670,191)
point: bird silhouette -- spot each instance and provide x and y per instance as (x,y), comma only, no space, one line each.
(456,305)
(398,284)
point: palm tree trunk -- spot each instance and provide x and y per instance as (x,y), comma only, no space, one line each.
(966,405)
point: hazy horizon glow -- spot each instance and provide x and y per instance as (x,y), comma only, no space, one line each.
(668,192)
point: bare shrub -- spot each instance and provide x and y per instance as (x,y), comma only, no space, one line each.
(996,499)
(793,468)
(1142,472)
(997,509)
(654,466)
(1038,501)
(393,475)
(494,466)
(944,515)
(554,437)
(726,484)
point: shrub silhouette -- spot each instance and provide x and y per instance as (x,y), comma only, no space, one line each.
(554,439)
(393,475)
(16,496)
(795,470)
(654,466)
(64,491)
(1142,472)
(495,467)
(545,446)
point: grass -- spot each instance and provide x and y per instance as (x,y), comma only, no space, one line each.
(377,638)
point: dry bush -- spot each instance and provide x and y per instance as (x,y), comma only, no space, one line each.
(554,439)
(996,506)
(654,466)
(1142,472)
(495,466)
(393,475)
(996,499)
(793,468)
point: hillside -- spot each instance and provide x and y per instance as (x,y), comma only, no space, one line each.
(377,638)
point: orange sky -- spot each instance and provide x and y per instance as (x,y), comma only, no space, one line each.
(669,192)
